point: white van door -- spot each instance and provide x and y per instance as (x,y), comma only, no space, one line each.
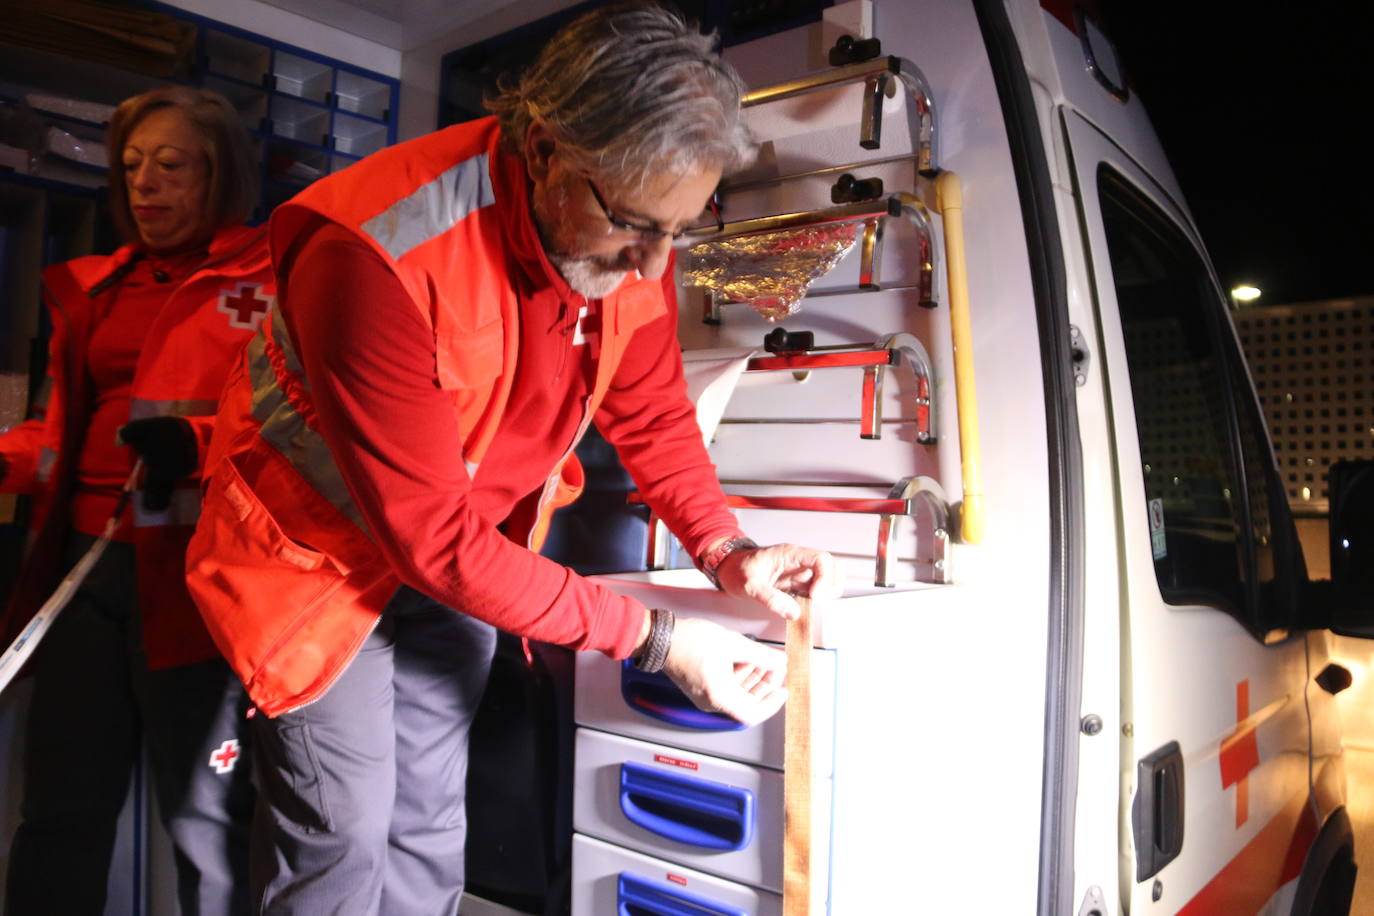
(1214,745)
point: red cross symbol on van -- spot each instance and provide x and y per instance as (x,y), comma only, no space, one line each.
(245,305)
(1240,754)
(225,756)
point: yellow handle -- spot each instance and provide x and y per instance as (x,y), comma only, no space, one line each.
(949,200)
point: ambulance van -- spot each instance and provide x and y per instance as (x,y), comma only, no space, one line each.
(957,326)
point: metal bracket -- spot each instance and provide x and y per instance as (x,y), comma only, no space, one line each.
(1078,350)
(917,491)
(1094,904)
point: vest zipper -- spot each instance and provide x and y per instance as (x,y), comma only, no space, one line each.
(558,470)
(352,651)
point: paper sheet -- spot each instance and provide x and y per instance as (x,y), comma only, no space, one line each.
(711,378)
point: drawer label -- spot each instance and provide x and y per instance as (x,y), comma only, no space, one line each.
(675,762)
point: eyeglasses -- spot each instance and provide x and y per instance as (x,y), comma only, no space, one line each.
(645,233)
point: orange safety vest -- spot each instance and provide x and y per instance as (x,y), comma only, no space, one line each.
(194,339)
(283,571)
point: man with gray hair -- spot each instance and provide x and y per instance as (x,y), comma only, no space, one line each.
(454,312)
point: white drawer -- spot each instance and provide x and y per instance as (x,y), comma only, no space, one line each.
(608,879)
(614,697)
(720,816)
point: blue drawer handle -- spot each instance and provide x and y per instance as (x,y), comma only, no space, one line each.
(657,696)
(637,897)
(693,811)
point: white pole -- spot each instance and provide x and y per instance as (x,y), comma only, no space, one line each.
(20,650)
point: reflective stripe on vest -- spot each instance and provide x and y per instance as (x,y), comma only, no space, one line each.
(286,430)
(184,509)
(47,457)
(433,208)
(142,408)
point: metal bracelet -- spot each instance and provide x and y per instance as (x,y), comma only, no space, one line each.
(654,655)
(709,564)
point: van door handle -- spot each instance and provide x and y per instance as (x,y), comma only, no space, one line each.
(1157,812)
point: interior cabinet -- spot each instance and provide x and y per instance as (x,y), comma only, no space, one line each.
(307,115)
(311,115)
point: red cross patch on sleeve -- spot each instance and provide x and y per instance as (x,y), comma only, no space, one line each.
(246,306)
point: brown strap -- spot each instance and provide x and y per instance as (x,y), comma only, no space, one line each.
(797,835)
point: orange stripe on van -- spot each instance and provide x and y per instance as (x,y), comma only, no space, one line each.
(1269,861)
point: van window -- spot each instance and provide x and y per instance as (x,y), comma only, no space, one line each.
(1194,491)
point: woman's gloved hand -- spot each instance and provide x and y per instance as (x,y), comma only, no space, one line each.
(167,446)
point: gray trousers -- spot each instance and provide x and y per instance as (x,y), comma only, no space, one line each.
(94,703)
(361,808)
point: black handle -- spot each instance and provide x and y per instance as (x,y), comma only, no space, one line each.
(850,50)
(1157,813)
(781,340)
(851,190)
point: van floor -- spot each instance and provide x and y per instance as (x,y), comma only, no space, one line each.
(1360,788)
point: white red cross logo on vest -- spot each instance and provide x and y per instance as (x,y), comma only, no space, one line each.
(225,756)
(587,327)
(245,305)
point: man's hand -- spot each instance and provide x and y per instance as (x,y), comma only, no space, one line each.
(772,575)
(723,671)
(167,446)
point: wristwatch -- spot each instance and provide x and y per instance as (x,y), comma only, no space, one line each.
(709,564)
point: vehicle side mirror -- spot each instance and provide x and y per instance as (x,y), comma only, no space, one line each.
(1350,485)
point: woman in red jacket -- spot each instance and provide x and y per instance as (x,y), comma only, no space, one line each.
(142,341)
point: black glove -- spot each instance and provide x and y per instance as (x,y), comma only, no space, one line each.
(167,446)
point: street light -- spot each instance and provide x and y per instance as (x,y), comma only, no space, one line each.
(1244,293)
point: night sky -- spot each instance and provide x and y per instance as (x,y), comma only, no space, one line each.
(1264,109)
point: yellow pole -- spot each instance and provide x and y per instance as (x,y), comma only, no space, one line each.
(949,201)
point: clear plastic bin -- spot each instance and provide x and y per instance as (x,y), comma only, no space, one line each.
(236,58)
(361,95)
(306,79)
(250,103)
(298,121)
(358,137)
(295,165)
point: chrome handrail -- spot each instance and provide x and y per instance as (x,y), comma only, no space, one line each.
(925,491)
(879,77)
(904,499)
(892,350)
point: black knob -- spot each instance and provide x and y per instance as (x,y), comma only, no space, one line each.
(781,340)
(849,189)
(849,50)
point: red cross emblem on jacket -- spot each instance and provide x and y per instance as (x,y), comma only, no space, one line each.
(245,305)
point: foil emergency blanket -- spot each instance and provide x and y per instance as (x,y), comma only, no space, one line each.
(770,270)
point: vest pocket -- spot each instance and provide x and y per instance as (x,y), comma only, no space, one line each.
(255,585)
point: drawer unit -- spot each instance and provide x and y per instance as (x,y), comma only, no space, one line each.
(612,696)
(610,880)
(720,816)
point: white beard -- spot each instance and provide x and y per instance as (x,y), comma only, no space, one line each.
(587,276)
